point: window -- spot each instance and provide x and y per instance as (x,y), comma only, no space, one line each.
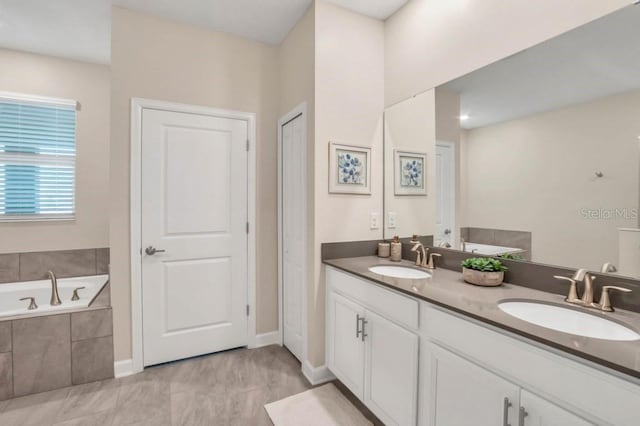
(37,158)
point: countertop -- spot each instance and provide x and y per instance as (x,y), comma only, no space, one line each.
(447,289)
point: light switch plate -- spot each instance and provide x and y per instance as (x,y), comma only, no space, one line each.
(392,220)
(374,221)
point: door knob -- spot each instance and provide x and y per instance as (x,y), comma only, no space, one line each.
(151,250)
(447,231)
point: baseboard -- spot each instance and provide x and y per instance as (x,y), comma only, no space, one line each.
(123,368)
(266,339)
(317,375)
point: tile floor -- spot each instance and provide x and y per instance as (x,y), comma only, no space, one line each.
(228,388)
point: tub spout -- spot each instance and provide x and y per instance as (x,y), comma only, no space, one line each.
(55,298)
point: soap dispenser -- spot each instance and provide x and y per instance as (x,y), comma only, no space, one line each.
(396,249)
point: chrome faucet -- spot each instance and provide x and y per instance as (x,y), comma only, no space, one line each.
(421,254)
(584,276)
(431,264)
(608,268)
(55,298)
(587,297)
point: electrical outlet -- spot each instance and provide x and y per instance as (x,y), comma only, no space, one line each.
(374,221)
(392,220)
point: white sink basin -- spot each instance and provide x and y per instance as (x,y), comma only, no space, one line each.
(568,320)
(399,272)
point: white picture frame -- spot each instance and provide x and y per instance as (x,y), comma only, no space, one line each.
(349,169)
(410,172)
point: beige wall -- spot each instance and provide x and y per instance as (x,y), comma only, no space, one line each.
(158,59)
(349,87)
(429,42)
(538,173)
(411,126)
(88,84)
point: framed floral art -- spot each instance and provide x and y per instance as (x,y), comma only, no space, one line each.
(349,169)
(410,173)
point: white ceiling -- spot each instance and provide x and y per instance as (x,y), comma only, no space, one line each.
(80,29)
(599,59)
(77,29)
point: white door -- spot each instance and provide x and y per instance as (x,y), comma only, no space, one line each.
(293,234)
(445,193)
(468,395)
(194,213)
(539,412)
(346,348)
(391,371)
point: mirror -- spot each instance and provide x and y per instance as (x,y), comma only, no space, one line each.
(535,157)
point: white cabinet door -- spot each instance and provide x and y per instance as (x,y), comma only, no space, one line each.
(345,346)
(465,394)
(540,412)
(391,371)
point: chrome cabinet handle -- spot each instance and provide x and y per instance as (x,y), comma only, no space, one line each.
(75,293)
(358,319)
(521,415)
(364,323)
(505,412)
(32,303)
(151,250)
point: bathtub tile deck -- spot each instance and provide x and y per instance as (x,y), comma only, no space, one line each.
(228,388)
(91,324)
(41,354)
(6,375)
(91,360)
(5,336)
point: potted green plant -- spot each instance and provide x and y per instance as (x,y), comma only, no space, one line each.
(484,271)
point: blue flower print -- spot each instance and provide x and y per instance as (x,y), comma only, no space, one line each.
(350,169)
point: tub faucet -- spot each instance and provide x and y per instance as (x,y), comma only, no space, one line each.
(55,298)
(608,268)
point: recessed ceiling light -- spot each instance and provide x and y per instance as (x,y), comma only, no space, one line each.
(464,117)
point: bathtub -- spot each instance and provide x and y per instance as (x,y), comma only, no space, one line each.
(490,250)
(11,293)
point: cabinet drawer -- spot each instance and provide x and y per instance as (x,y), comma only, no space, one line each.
(396,307)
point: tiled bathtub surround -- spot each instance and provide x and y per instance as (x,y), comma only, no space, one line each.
(31,266)
(499,237)
(55,351)
(532,275)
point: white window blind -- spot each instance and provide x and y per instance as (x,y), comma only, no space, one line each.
(37,158)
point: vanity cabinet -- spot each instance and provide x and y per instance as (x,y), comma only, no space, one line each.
(346,354)
(391,371)
(412,362)
(462,359)
(467,394)
(376,358)
(540,412)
